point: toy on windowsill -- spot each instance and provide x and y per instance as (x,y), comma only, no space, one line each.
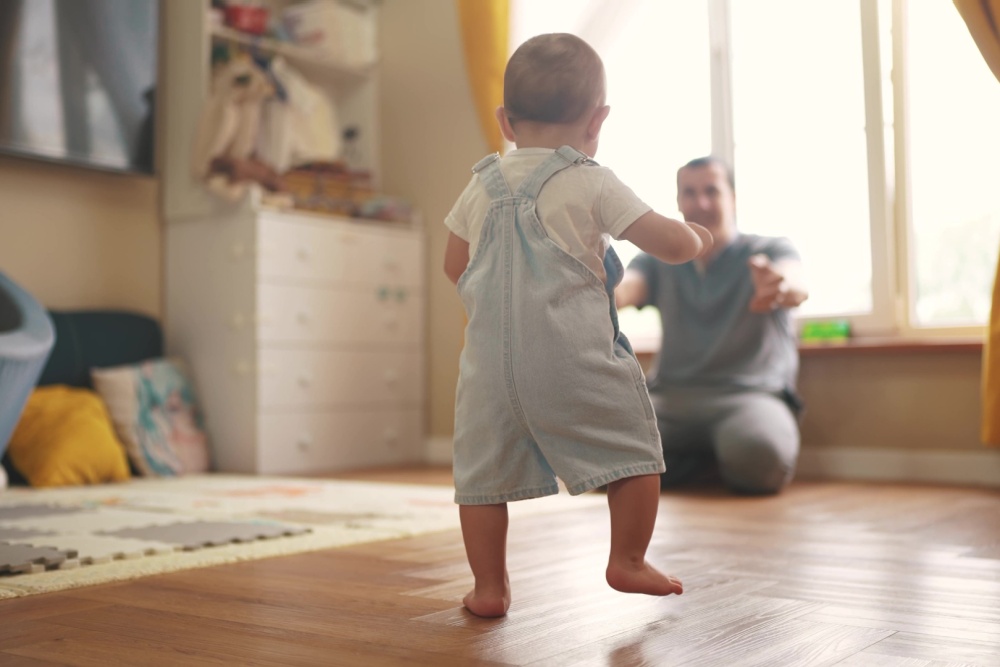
(826,333)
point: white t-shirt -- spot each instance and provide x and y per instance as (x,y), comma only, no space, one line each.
(579,207)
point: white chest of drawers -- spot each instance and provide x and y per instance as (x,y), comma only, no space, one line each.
(305,335)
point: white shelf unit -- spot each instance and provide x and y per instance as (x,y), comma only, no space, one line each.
(305,332)
(188,38)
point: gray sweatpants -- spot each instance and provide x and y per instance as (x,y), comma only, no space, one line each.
(752,436)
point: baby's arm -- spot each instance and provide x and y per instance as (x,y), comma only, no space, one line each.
(668,240)
(456,257)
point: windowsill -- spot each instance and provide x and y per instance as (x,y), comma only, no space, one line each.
(892,346)
(647,348)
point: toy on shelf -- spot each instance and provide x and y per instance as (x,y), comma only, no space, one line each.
(228,130)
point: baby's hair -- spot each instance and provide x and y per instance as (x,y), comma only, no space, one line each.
(552,78)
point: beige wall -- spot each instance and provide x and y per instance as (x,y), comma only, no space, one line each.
(430,140)
(80,238)
(889,400)
(906,400)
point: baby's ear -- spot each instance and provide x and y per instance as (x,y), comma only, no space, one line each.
(506,129)
(597,119)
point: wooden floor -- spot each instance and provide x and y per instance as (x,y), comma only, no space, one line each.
(825,574)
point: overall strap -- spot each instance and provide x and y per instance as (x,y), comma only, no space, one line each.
(564,157)
(491,177)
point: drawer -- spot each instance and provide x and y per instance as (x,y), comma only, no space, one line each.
(331,378)
(380,315)
(317,442)
(302,251)
(338,253)
(388,257)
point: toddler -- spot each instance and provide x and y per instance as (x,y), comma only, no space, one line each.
(548,387)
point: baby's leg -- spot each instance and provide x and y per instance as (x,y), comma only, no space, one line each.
(633,502)
(484,529)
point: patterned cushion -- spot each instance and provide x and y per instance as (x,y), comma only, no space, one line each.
(155,412)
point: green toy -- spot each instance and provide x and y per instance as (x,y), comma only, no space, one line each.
(830,331)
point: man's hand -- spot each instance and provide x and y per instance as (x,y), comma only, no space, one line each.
(771,290)
(632,290)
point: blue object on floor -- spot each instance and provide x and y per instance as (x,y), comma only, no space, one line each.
(27,336)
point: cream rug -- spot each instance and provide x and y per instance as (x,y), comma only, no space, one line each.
(55,539)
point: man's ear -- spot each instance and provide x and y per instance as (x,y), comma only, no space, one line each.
(597,121)
(506,129)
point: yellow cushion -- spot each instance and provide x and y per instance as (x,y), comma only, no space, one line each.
(65,437)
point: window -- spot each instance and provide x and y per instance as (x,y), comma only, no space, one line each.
(800,150)
(953,175)
(864,131)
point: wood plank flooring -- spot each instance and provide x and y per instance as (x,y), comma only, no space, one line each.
(855,575)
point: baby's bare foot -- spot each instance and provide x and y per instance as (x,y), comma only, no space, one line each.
(488,606)
(643,578)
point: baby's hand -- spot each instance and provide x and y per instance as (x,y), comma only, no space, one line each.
(770,287)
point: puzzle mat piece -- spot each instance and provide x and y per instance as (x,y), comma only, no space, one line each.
(314,517)
(217,495)
(212,503)
(166,492)
(200,534)
(94,549)
(20,558)
(17,534)
(17,512)
(214,497)
(103,519)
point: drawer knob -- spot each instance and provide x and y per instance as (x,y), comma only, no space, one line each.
(238,250)
(391,438)
(303,254)
(303,317)
(304,442)
(391,378)
(305,380)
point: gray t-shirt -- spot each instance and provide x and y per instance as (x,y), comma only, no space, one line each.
(710,338)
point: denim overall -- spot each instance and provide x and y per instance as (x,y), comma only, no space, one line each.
(548,386)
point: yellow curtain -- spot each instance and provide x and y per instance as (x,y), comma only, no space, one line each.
(983,19)
(484,25)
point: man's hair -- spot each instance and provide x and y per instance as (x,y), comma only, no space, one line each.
(706,161)
(552,78)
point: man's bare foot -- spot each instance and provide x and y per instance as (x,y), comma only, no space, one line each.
(488,606)
(643,578)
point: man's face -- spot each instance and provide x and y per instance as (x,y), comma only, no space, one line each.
(704,197)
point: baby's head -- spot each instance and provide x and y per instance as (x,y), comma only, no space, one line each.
(553,79)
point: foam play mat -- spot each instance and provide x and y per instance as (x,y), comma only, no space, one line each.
(54,539)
